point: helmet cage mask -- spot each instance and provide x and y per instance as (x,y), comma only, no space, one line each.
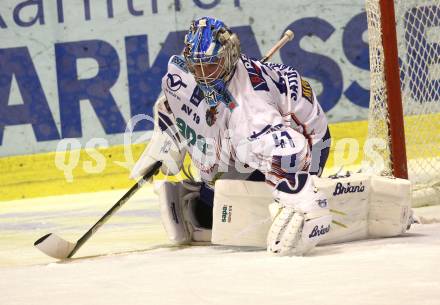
(211,52)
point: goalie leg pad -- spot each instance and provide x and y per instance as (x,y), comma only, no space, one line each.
(241,216)
(178,209)
(362,206)
(390,207)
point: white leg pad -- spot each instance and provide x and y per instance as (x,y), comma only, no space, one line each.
(177,216)
(171,212)
(362,206)
(390,207)
(241,215)
(349,200)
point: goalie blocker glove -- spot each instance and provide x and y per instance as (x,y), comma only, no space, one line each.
(300,215)
(163,146)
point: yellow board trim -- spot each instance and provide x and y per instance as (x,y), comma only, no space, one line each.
(36,175)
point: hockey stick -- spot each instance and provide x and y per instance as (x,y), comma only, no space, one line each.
(287,36)
(57,247)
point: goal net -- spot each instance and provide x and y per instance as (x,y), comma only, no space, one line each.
(417,28)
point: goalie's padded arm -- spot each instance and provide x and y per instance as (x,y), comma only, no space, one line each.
(164,144)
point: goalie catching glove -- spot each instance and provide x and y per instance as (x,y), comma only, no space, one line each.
(300,215)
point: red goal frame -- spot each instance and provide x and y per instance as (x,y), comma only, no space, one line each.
(392,79)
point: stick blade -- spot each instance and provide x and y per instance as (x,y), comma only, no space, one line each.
(54,246)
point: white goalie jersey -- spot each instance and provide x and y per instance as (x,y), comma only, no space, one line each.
(270,112)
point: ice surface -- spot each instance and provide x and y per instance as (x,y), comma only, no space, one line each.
(130,262)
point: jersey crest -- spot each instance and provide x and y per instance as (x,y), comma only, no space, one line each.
(211,116)
(255,74)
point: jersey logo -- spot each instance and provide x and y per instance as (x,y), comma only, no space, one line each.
(307,92)
(280,84)
(197,96)
(211,116)
(174,82)
(255,74)
(180,63)
(192,138)
(292,78)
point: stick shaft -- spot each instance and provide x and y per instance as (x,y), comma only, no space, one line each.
(288,35)
(115,207)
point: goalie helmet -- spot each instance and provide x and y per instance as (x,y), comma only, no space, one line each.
(211,52)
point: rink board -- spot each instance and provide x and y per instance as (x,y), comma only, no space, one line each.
(37,175)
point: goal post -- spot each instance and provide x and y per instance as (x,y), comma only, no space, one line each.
(392,82)
(404,42)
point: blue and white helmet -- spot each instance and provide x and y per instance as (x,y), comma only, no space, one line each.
(211,52)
